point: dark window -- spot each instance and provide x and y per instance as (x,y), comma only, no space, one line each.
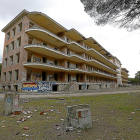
(45,44)
(7,49)
(68,64)
(16,74)
(55,62)
(30,40)
(44,59)
(56,77)
(44,75)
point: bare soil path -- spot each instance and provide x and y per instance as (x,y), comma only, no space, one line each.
(53,94)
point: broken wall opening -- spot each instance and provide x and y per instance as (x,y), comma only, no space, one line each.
(19,27)
(12,45)
(16,74)
(9,88)
(19,42)
(29,57)
(15,87)
(29,73)
(54,87)
(3,88)
(80,87)
(17,58)
(31,24)
(30,40)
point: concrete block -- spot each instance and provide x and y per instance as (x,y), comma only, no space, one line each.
(11,103)
(79,116)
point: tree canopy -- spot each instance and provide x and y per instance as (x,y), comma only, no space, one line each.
(137,76)
(136,79)
(121,13)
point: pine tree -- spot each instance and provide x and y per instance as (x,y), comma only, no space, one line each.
(121,13)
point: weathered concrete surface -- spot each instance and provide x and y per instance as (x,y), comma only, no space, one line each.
(42,95)
(79,116)
(11,103)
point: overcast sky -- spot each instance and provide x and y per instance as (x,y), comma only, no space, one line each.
(70,13)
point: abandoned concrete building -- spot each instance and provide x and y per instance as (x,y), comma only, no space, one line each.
(41,55)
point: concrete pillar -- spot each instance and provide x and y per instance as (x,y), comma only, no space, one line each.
(8,104)
(79,116)
(11,103)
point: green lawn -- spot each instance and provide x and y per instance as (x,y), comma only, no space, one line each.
(115,117)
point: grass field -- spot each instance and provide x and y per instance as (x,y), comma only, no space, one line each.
(115,117)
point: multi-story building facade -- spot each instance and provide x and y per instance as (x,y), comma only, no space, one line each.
(41,55)
(118,63)
(124,75)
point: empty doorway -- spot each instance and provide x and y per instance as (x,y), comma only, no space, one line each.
(56,77)
(54,88)
(77,78)
(80,87)
(44,75)
(69,78)
(44,59)
(15,87)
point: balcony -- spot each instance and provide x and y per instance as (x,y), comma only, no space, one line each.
(92,52)
(51,38)
(46,22)
(124,76)
(51,67)
(46,36)
(124,80)
(124,73)
(42,49)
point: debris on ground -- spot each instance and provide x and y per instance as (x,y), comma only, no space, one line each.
(62,119)
(3,121)
(25,101)
(69,129)
(133,112)
(59,134)
(26,128)
(17,133)
(25,135)
(130,118)
(42,113)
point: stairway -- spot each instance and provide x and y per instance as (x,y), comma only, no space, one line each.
(69,86)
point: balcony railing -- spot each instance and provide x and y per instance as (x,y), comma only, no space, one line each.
(68,69)
(69,42)
(69,55)
(124,76)
(91,49)
(124,79)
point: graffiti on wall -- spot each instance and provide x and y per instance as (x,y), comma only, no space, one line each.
(30,86)
(84,86)
(38,86)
